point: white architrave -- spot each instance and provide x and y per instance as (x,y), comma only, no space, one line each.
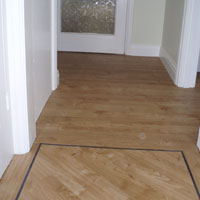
(23,125)
(55,75)
(189,46)
(129,25)
(21,83)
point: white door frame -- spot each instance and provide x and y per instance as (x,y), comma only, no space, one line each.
(189,46)
(21,93)
(22,127)
(92,42)
(55,73)
(6,140)
(185,76)
(129,26)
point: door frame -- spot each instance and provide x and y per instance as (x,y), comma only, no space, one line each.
(21,88)
(54,68)
(189,46)
(6,136)
(101,43)
(129,26)
(23,127)
(187,66)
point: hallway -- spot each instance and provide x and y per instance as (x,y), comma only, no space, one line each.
(101,96)
(114,101)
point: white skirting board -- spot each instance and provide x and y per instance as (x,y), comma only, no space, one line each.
(143,50)
(169,63)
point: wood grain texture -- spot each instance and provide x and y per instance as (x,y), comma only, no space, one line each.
(119,101)
(14,175)
(63,172)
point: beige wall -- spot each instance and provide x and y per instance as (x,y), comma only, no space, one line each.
(148,22)
(173,27)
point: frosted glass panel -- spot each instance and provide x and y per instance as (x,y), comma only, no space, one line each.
(88,16)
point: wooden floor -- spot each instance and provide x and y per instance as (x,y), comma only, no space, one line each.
(83,173)
(114,101)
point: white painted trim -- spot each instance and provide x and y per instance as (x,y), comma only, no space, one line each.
(14,11)
(189,45)
(169,63)
(143,50)
(92,42)
(6,140)
(129,27)
(55,80)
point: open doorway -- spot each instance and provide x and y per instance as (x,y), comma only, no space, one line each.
(122,27)
(148,32)
(92,26)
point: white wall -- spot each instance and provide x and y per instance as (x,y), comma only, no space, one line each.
(173,27)
(29,69)
(172,32)
(6,142)
(148,20)
(38,29)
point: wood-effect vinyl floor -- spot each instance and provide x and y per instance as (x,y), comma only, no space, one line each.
(92,173)
(115,101)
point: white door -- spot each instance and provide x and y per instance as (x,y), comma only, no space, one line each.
(92,25)
(6,144)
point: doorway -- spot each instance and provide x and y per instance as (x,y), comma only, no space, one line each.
(92,26)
